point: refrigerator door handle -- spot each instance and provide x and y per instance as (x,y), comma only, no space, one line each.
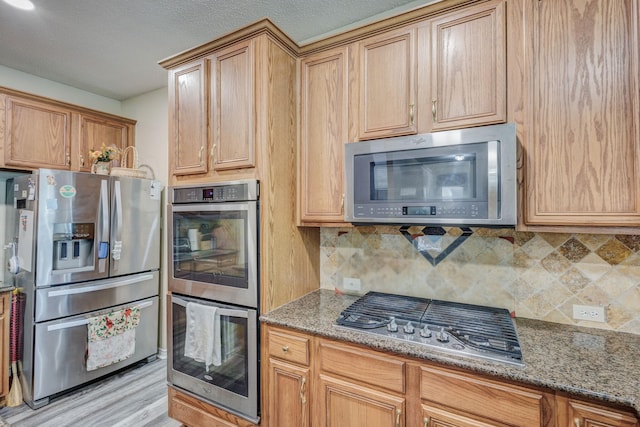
(80,322)
(116,249)
(85,289)
(103,243)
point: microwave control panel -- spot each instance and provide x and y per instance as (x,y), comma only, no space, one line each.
(458,210)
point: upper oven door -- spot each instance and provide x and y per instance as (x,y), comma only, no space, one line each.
(215,251)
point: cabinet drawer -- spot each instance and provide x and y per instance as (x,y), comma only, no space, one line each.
(193,412)
(505,403)
(289,347)
(358,364)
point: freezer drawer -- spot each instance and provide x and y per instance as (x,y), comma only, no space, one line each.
(68,300)
(61,347)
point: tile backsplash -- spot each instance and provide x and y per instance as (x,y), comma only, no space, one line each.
(537,275)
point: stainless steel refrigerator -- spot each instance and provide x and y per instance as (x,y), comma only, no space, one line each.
(87,245)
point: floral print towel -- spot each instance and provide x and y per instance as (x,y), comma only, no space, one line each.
(112,337)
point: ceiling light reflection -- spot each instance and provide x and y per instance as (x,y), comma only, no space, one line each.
(21,4)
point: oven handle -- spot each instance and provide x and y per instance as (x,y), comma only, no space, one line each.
(81,322)
(221,311)
(94,288)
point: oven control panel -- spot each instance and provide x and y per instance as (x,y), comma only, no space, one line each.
(237,191)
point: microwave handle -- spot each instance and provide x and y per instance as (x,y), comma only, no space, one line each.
(221,311)
(492,179)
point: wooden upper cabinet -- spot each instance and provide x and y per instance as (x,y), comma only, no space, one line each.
(36,134)
(323,133)
(188,119)
(581,133)
(383,98)
(232,79)
(468,67)
(96,131)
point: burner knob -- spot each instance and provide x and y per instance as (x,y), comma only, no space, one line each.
(425,332)
(392,326)
(408,328)
(442,336)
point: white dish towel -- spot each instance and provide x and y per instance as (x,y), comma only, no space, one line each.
(202,341)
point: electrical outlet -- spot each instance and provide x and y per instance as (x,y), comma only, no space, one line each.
(351,284)
(589,312)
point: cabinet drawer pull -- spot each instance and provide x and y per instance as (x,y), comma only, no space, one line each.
(398,413)
(303,399)
(200,153)
(285,348)
(81,160)
(577,422)
(411,114)
(434,110)
(426,422)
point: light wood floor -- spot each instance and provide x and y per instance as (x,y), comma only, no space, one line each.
(133,398)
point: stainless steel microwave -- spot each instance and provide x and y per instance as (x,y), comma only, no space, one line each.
(458,177)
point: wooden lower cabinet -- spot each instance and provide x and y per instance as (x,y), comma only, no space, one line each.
(318,382)
(436,417)
(192,412)
(290,383)
(575,413)
(349,404)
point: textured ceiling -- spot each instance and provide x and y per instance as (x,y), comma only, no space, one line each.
(112,47)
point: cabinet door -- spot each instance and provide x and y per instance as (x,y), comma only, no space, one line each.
(468,63)
(188,119)
(323,133)
(96,131)
(36,134)
(580,414)
(581,133)
(385,70)
(4,339)
(288,394)
(345,404)
(436,417)
(232,107)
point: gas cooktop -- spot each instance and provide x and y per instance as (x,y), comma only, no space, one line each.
(463,329)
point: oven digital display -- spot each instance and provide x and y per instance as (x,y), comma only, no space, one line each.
(419,210)
(207,193)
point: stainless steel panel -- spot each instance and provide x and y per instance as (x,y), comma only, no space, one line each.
(507,185)
(68,300)
(245,407)
(248,296)
(80,203)
(60,350)
(135,226)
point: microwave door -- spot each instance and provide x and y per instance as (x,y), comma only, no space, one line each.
(135,225)
(72,227)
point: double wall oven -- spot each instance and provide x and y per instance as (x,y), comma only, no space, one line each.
(213,306)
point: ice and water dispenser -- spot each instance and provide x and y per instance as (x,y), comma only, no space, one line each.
(73,245)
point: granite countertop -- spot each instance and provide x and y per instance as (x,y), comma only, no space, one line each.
(591,363)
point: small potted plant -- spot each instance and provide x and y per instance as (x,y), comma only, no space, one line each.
(102,158)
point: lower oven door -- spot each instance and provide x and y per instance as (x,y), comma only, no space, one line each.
(230,381)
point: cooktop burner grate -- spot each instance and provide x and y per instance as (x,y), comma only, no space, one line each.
(486,332)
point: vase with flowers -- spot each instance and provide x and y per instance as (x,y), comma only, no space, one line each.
(102,159)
